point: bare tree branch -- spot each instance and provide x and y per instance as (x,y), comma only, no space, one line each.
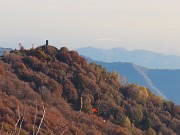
(35,117)
(52,133)
(19,118)
(68,124)
(63,131)
(41,120)
(81,103)
(1,128)
(20,127)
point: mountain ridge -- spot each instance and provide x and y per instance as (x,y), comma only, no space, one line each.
(143,58)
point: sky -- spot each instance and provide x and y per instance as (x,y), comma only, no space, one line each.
(132,24)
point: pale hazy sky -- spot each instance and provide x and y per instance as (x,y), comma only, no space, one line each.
(133,24)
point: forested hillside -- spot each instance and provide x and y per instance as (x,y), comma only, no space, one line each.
(48,91)
(163,82)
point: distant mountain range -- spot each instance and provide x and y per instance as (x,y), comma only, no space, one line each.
(140,57)
(164,83)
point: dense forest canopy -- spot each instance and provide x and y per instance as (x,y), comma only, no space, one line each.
(50,91)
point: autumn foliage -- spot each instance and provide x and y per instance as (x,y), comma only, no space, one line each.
(79,98)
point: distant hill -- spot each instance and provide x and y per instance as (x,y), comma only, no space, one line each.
(140,57)
(165,83)
(47,91)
